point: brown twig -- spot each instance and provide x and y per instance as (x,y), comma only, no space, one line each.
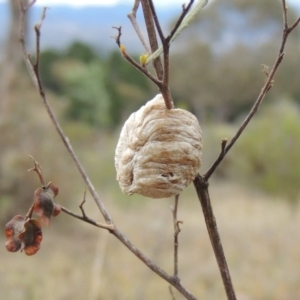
(132,17)
(35,76)
(86,219)
(152,23)
(141,68)
(201,187)
(151,19)
(201,182)
(171,292)
(82,203)
(185,10)
(156,21)
(148,17)
(174,281)
(30,211)
(176,233)
(38,169)
(164,88)
(265,89)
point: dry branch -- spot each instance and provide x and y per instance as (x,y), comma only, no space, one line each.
(265,89)
(176,233)
(35,76)
(200,182)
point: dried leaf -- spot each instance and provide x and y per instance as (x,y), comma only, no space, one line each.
(12,230)
(23,235)
(57,210)
(44,205)
(31,237)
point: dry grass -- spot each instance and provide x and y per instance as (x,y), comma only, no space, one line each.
(76,261)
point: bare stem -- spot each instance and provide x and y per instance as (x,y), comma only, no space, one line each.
(164,88)
(38,169)
(171,293)
(174,281)
(265,89)
(141,68)
(35,76)
(86,219)
(201,187)
(148,17)
(82,203)
(176,233)
(30,211)
(132,17)
(180,19)
(153,26)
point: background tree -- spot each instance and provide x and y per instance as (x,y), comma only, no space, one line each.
(11,59)
(222,66)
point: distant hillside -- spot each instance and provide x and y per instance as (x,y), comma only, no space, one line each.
(92,25)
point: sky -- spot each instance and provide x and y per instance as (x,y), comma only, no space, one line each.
(115,2)
(118,2)
(101,2)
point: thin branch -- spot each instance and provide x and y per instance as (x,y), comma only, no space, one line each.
(180,20)
(164,89)
(141,68)
(174,281)
(176,233)
(201,183)
(162,81)
(132,17)
(82,203)
(86,219)
(294,25)
(37,81)
(171,292)
(30,211)
(156,21)
(38,169)
(166,51)
(36,65)
(190,16)
(201,187)
(265,89)
(148,17)
(27,58)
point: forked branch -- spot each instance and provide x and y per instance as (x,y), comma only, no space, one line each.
(35,76)
(201,182)
(265,89)
(176,225)
(132,17)
(153,26)
(150,26)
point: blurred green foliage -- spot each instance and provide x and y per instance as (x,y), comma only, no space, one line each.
(217,68)
(100,91)
(87,98)
(267,155)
